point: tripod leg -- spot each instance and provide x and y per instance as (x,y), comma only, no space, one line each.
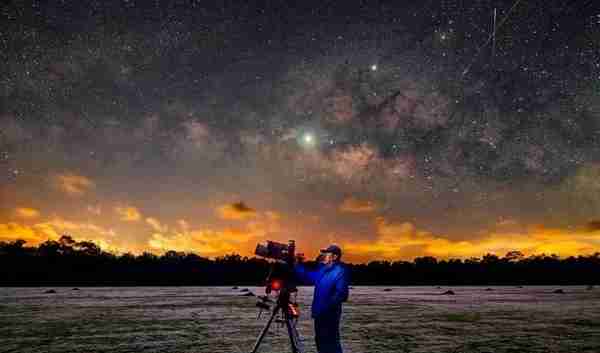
(265,329)
(294,336)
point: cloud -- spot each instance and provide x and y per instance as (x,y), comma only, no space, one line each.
(236,211)
(206,242)
(353,205)
(27,212)
(156,225)
(97,210)
(13,231)
(74,185)
(53,229)
(404,241)
(128,213)
(183,224)
(272,215)
(593,226)
(58,225)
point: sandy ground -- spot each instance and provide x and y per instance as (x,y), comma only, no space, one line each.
(219,319)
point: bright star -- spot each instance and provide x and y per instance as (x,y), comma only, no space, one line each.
(308,138)
(373,67)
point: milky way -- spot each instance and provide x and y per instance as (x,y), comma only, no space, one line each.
(327,121)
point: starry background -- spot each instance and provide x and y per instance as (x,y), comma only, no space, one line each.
(395,129)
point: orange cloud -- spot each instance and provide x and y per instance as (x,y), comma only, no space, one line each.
(55,228)
(236,211)
(272,215)
(27,212)
(13,231)
(74,185)
(593,226)
(156,225)
(405,241)
(183,224)
(181,236)
(128,213)
(353,205)
(97,210)
(214,242)
(204,242)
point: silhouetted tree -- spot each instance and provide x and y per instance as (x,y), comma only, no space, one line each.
(50,248)
(514,255)
(68,262)
(490,259)
(88,248)
(14,248)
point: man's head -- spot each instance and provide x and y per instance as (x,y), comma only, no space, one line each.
(330,254)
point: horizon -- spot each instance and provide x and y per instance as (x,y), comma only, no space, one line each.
(510,256)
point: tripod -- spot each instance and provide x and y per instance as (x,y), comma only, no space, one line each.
(290,314)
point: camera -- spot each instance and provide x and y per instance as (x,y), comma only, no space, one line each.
(277,251)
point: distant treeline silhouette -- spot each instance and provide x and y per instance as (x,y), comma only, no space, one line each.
(67,262)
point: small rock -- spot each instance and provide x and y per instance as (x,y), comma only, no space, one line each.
(438,287)
(558,291)
(75,288)
(488,289)
(50,291)
(590,287)
(244,290)
(248,294)
(234,287)
(448,292)
(387,290)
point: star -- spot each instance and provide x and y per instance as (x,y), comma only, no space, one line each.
(308,139)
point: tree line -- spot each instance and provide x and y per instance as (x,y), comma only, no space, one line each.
(67,262)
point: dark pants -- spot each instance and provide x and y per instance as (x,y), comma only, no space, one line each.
(327,332)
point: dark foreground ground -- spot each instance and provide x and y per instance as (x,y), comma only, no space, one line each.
(219,319)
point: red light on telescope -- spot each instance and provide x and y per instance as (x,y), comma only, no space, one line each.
(276,285)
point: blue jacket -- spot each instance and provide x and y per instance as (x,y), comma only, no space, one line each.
(331,286)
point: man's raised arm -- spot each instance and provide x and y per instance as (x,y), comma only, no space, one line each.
(304,275)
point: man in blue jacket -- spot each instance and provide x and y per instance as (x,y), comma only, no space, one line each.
(331,280)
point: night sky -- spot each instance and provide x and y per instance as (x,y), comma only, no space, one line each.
(395,129)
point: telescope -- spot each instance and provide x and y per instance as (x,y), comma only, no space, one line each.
(277,251)
(283,286)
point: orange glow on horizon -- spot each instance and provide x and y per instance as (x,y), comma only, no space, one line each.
(238,228)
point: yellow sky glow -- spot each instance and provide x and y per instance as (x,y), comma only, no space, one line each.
(392,240)
(27,212)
